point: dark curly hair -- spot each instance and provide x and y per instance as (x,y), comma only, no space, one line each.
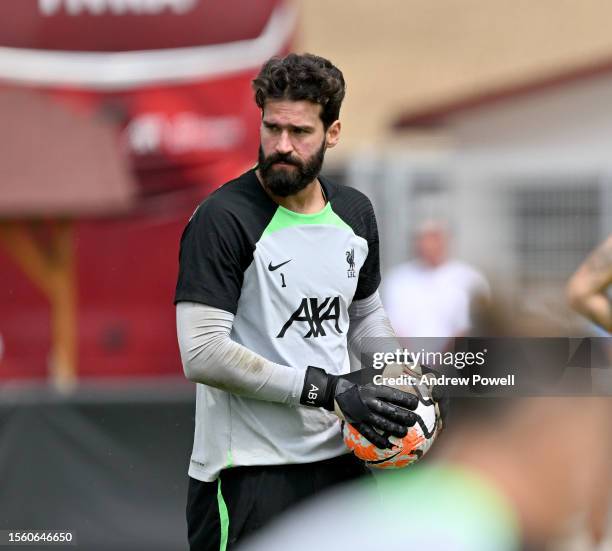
(302,77)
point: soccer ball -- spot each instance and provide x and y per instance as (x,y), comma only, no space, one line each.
(419,437)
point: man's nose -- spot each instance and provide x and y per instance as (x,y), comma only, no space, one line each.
(284,145)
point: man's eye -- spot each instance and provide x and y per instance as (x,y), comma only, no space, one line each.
(299,131)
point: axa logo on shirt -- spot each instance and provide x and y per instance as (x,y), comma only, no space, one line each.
(114,7)
(314,313)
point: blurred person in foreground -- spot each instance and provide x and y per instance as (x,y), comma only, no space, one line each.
(279,274)
(433,295)
(512,474)
(587,292)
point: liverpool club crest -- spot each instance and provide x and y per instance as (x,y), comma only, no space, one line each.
(350,258)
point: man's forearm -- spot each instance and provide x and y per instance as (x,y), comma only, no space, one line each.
(596,307)
(369,320)
(211,357)
(586,289)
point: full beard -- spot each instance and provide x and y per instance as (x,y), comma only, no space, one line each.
(285,181)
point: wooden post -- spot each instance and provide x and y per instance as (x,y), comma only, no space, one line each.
(50,265)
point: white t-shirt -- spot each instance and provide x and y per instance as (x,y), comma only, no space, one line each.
(422,301)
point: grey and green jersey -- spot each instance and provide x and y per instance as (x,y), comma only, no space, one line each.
(289,279)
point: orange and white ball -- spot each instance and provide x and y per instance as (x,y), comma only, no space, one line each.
(411,447)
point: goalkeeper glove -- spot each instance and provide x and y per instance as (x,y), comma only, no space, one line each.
(376,411)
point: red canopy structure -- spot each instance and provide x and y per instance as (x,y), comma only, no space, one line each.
(119,117)
(56,165)
(57,161)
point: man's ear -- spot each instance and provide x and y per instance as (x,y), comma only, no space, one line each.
(332,135)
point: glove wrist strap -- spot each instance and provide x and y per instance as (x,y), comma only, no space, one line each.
(318,390)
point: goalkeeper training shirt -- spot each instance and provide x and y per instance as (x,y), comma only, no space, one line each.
(289,279)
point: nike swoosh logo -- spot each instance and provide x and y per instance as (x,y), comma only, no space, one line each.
(272,268)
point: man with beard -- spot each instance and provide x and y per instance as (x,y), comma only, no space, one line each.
(279,272)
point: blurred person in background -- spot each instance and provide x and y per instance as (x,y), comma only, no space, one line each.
(512,474)
(433,295)
(587,293)
(279,271)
